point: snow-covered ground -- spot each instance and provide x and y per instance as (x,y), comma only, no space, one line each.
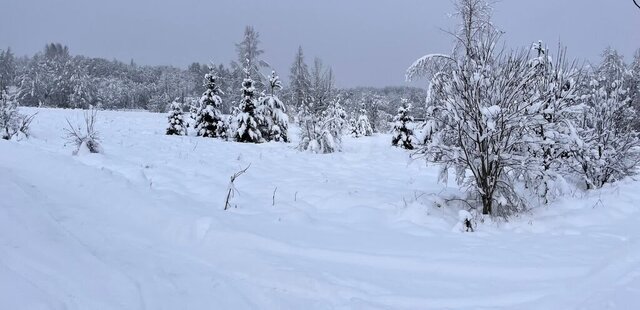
(142,227)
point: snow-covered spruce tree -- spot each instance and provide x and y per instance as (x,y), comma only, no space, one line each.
(208,122)
(272,112)
(300,83)
(553,96)
(246,122)
(402,128)
(363,126)
(606,147)
(177,125)
(478,111)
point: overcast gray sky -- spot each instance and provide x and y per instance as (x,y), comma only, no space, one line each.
(368,43)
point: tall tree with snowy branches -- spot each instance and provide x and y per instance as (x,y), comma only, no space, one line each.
(322,87)
(248,61)
(299,82)
(323,122)
(8,69)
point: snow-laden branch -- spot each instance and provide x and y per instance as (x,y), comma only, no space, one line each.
(428,65)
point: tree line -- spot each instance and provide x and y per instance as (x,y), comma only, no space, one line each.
(56,78)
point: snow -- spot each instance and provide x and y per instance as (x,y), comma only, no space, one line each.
(141,226)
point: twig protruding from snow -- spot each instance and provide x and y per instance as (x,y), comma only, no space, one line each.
(232,188)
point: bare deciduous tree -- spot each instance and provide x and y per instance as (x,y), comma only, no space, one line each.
(478,112)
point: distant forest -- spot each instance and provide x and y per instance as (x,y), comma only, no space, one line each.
(55,77)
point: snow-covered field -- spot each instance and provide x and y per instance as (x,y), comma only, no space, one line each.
(142,227)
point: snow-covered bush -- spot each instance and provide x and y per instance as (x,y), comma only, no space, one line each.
(403,128)
(272,113)
(324,134)
(606,146)
(208,122)
(87,138)
(12,123)
(177,125)
(553,96)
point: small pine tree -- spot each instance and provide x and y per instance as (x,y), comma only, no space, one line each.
(353,125)
(209,122)
(363,126)
(273,118)
(246,122)
(177,125)
(403,132)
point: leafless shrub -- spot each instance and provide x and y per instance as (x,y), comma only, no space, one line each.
(86,137)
